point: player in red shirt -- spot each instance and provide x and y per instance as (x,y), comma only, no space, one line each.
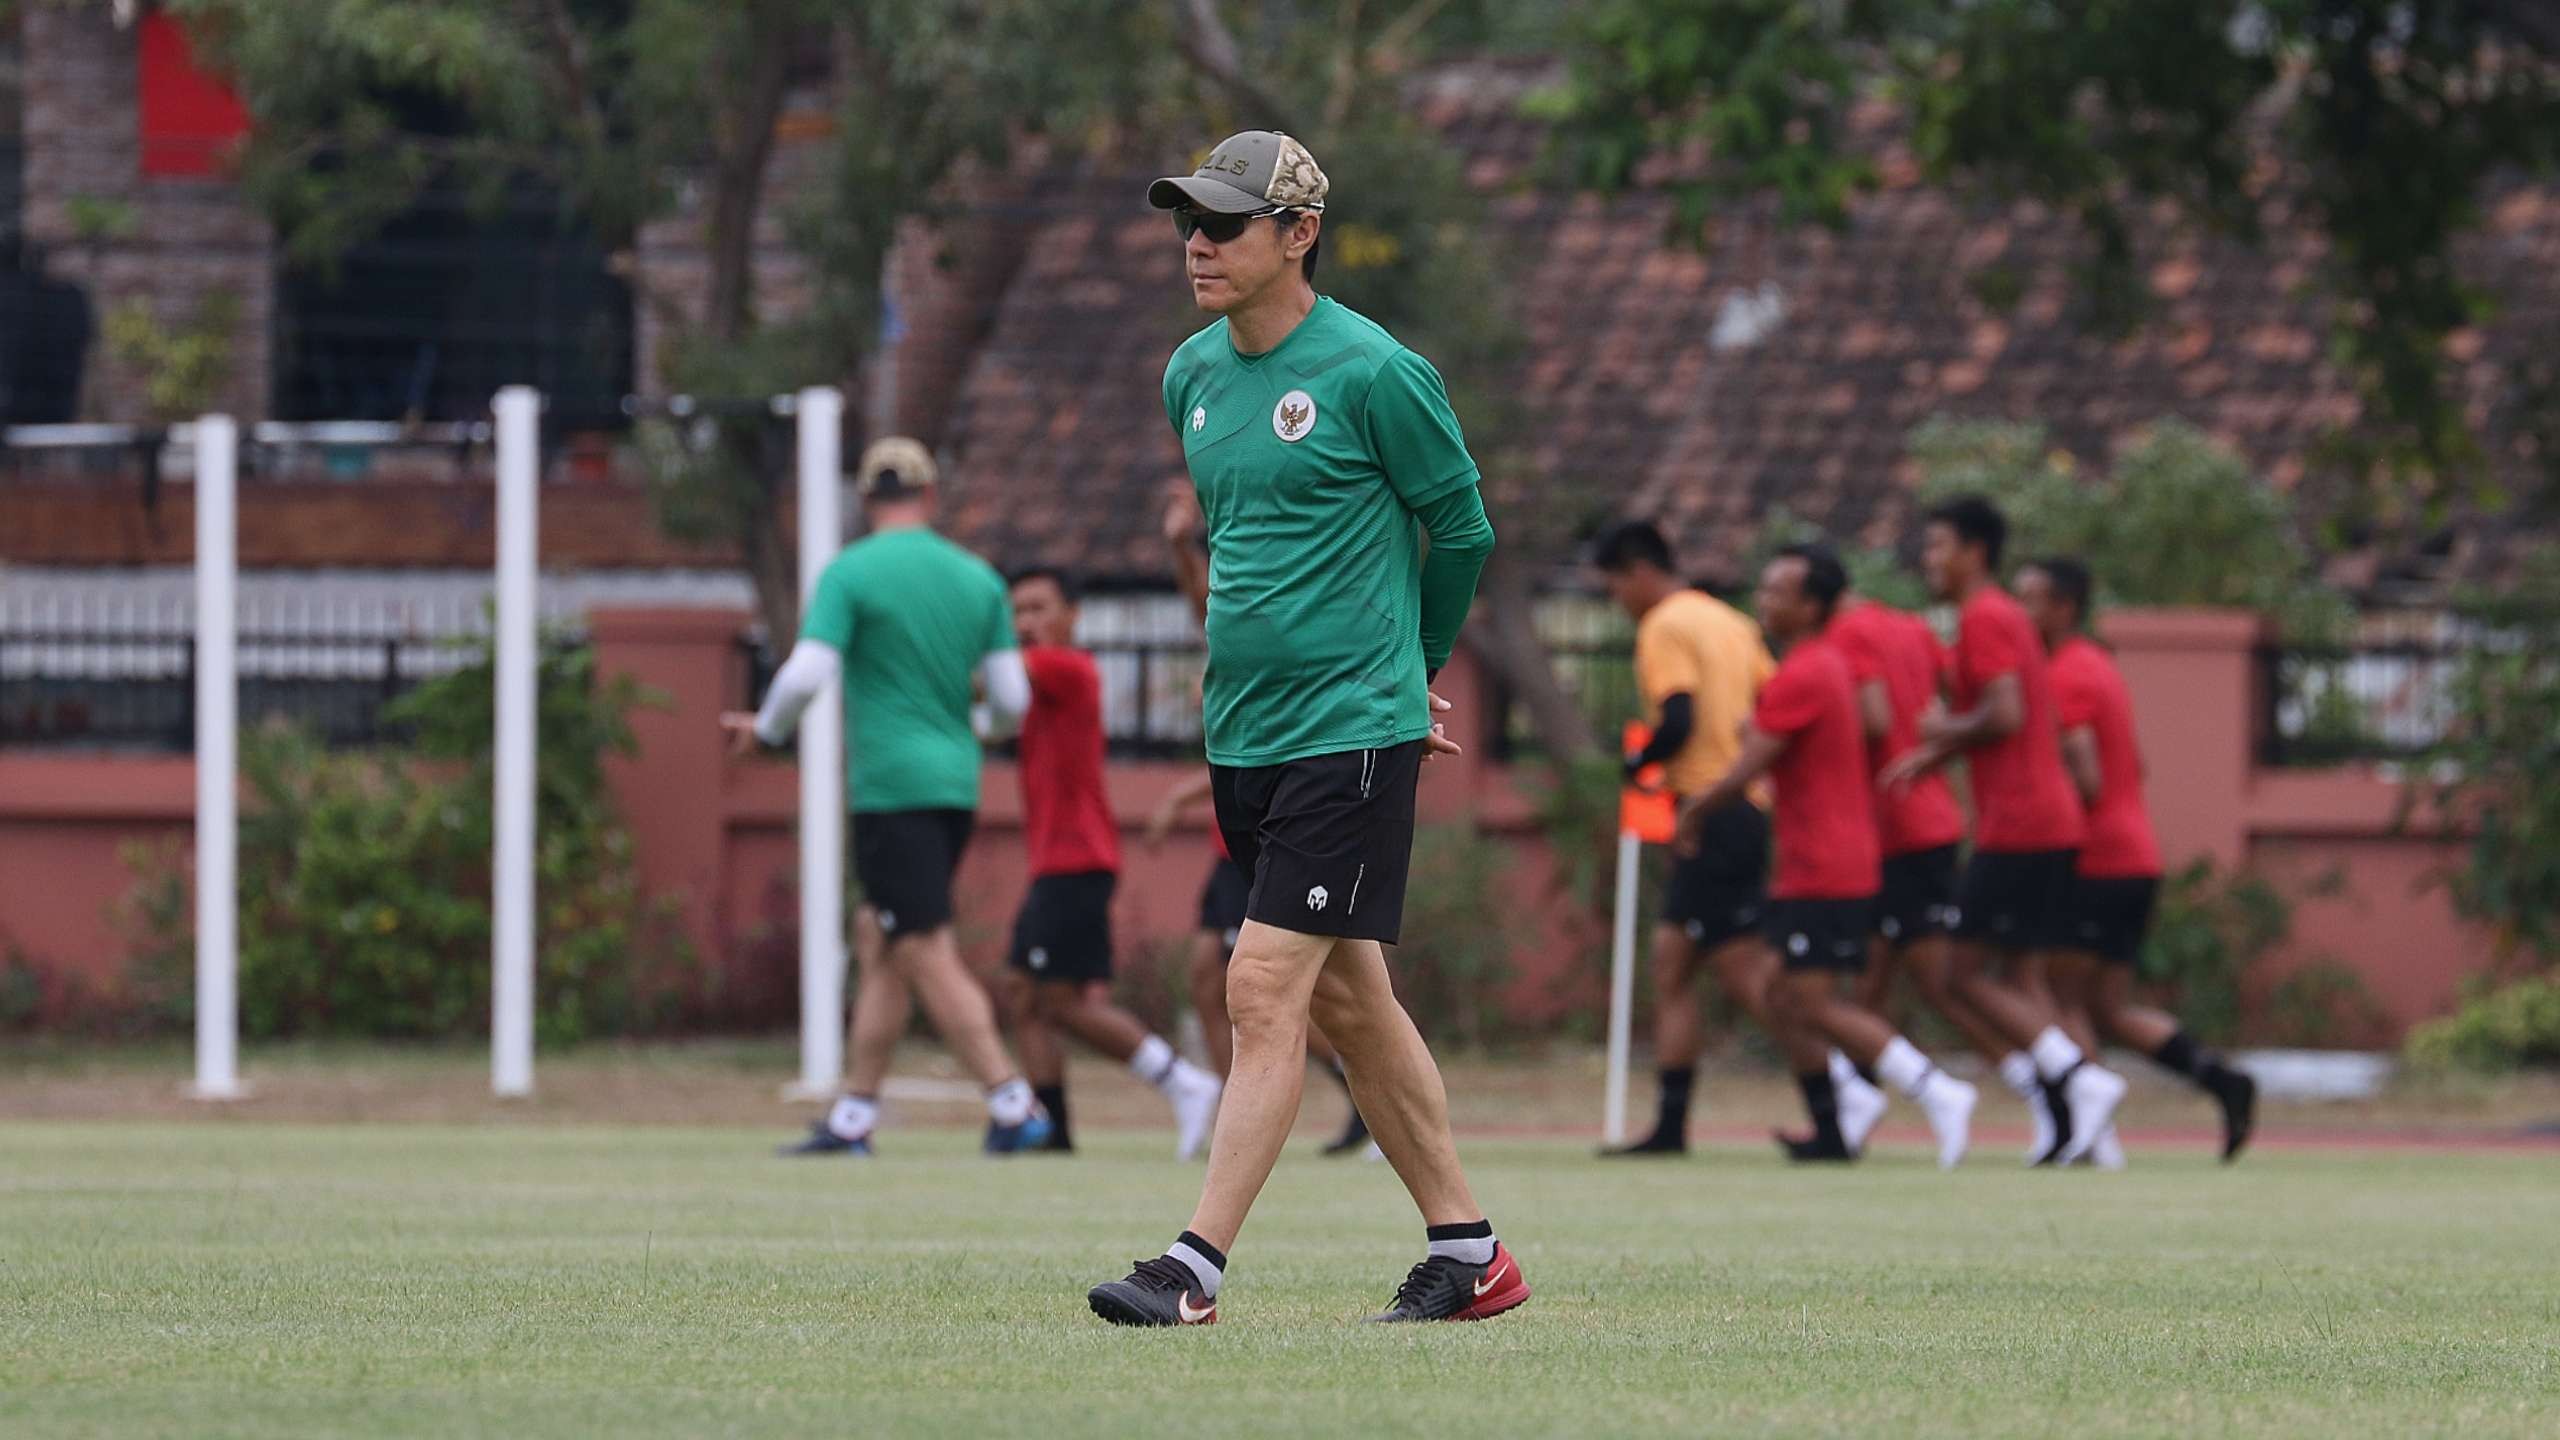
(2016,891)
(2119,870)
(1896,660)
(1807,736)
(1062,938)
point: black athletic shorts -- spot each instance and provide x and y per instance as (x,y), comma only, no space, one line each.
(2017,900)
(1822,934)
(1919,897)
(1326,839)
(2111,916)
(905,860)
(1721,892)
(1223,900)
(1064,929)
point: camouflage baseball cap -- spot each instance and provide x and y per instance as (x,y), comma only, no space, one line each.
(1252,171)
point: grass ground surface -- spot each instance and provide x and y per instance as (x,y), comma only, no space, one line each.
(238,1275)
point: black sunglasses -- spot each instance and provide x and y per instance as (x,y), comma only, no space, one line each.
(1222,228)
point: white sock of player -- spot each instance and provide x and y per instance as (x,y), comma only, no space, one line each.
(1903,1067)
(1010,1103)
(853,1116)
(2018,1072)
(1153,1062)
(1207,1264)
(1471,1242)
(2054,1054)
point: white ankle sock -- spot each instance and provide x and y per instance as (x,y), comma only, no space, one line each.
(1903,1067)
(1010,1103)
(1153,1061)
(1473,1249)
(852,1117)
(2054,1053)
(1843,1072)
(1208,1272)
(2018,1072)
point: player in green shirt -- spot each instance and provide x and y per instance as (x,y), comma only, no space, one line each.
(1324,454)
(911,626)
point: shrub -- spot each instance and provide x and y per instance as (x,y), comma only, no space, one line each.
(2496,1030)
(364,877)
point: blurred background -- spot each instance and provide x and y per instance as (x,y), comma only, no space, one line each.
(2252,304)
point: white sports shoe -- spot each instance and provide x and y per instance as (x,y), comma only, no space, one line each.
(1194,1093)
(2108,1153)
(1949,1102)
(2093,1092)
(1861,1106)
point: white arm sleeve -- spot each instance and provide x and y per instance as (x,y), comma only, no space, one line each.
(1008,687)
(813,665)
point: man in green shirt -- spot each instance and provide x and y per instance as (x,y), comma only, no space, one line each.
(1324,453)
(911,626)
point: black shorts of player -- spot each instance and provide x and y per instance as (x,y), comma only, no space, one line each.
(1064,929)
(1721,893)
(1821,934)
(905,860)
(1326,839)
(2016,900)
(2111,915)
(1223,900)
(1919,897)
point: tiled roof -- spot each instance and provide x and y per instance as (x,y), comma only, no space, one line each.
(1777,366)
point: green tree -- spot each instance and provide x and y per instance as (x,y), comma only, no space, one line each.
(2178,519)
(2499,770)
(632,111)
(2387,119)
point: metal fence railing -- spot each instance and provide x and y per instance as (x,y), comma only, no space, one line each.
(2331,705)
(135,690)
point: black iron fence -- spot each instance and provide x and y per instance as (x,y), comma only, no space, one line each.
(136,690)
(1150,693)
(2334,704)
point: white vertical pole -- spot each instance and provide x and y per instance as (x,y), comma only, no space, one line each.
(519,427)
(217,439)
(822,799)
(1622,989)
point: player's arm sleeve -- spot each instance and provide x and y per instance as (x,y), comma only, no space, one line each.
(1785,706)
(811,668)
(1461,541)
(1679,719)
(1008,687)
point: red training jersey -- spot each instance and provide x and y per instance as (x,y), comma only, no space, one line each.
(2089,691)
(1898,649)
(1827,847)
(1066,809)
(2022,797)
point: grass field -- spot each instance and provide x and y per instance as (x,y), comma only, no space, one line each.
(537,1279)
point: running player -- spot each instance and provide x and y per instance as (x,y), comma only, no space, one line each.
(1806,734)
(2119,870)
(1062,938)
(1699,662)
(1896,660)
(905,622)
(2017,888)
(1324,453)
(1224,894)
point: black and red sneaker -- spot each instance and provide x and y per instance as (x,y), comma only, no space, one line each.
(1160,1290)
(1442,1288)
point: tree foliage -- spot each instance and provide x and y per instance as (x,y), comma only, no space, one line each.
(2499,770)
(2387,119)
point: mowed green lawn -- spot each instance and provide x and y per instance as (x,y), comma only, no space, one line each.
(528,1280)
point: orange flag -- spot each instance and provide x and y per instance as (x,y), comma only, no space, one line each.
(1645,809)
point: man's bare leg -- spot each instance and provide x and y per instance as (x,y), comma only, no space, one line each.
(1269,981)
(1083,1008)
(2156,1033)
(1930,962)
(1812,1002)
(1394,1080)
(880,1014)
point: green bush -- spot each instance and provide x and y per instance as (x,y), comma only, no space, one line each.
(1458,935)
(2496,1030)
(2210,931)
(364,876)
